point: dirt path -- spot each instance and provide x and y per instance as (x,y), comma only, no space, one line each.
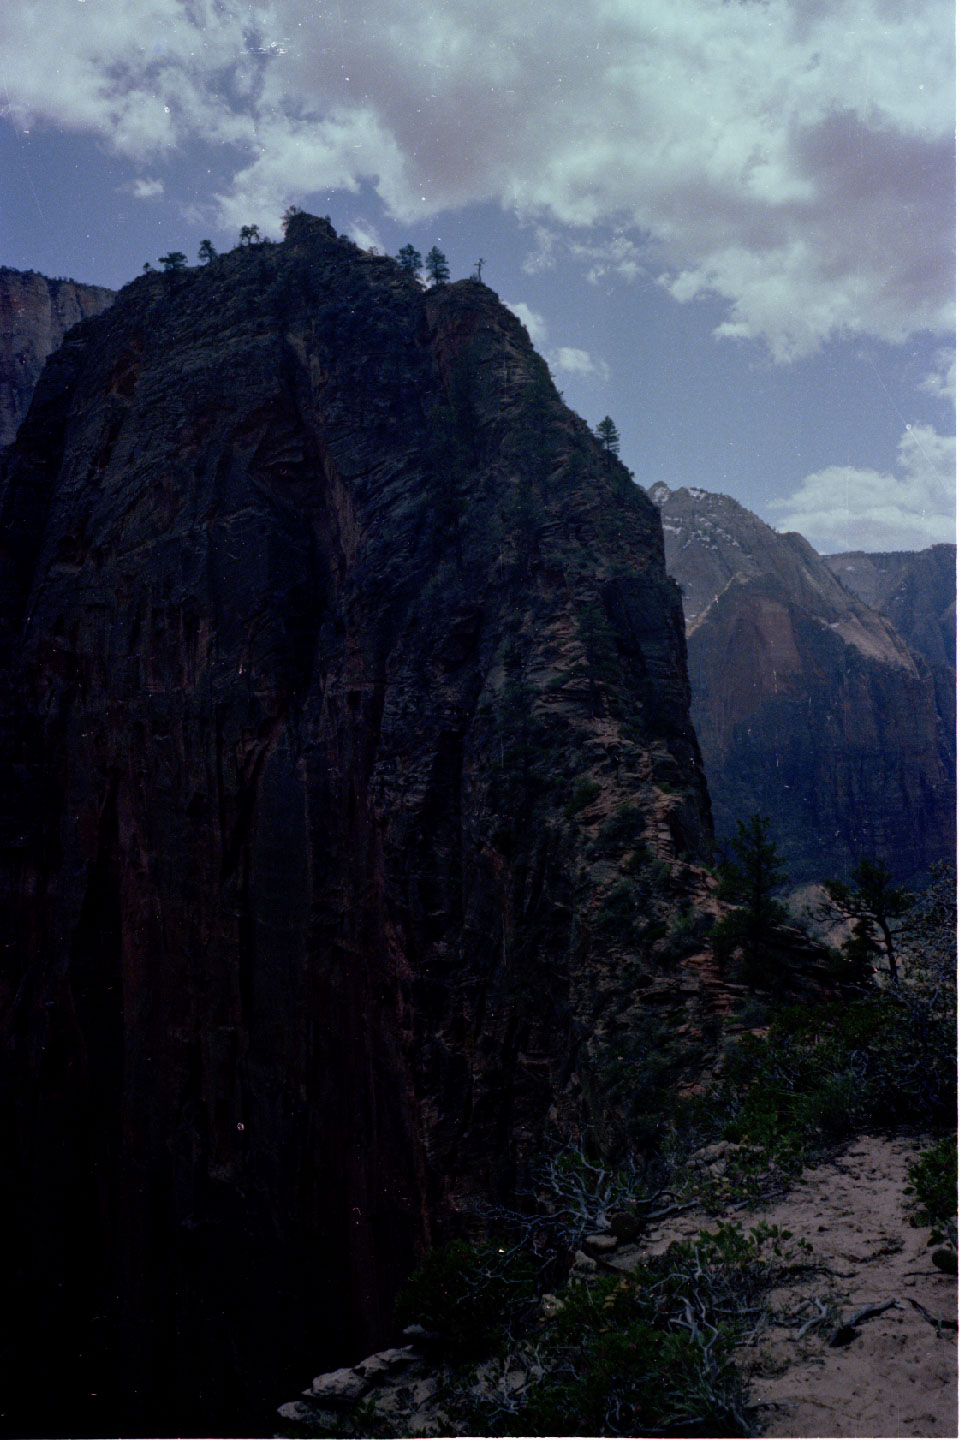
(897,1376)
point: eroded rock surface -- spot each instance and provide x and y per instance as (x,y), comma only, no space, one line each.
(332,644)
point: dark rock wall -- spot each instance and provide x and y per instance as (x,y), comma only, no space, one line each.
(317,606)
(35,314)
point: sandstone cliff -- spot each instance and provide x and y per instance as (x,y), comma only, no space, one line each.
(349,791)
(808,703)
(35,314)
(915,589)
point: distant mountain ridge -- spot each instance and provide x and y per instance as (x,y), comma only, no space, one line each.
(915,589)
(35,314)
(810,704)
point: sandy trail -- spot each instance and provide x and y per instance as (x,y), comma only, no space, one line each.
(897,1376)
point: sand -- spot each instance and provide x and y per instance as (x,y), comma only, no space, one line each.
(897,1376)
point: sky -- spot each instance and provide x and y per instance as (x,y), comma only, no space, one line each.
(728,224)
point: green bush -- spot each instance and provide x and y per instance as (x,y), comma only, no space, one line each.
(652,1351)
(468,1293)
(822,1073)
(622,829)
(933,1180)
(584,793)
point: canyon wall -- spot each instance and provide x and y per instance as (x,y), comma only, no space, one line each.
(810,705)
(349,790)
(35,314)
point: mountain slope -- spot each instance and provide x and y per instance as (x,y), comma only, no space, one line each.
(332,640)
(809,705)
(915,589)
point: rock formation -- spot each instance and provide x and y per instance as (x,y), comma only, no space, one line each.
(349,793)
(35,314)
(809,705)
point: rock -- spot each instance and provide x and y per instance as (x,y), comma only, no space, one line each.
(278,764)
(945,1260)
(583,1264)
(35,315)
(788,662)
(388,1362)
(298,1413)
(600,1244)
(339,1387)
(421,1338)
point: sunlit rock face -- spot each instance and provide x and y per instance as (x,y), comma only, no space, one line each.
(810,705)
(35,314)
(331,641)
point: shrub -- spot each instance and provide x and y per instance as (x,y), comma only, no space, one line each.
(933,1181)
(822,1073)
(585,791)
(652,1351)
(468,1293)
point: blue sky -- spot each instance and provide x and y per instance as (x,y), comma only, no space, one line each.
(728,225)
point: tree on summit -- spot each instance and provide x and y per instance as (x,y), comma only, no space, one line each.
(249,234)
(609,436)
(410,260)
(175,260)
(437,268)
(206,253)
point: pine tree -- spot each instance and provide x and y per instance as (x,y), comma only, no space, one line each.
(288,215)
(437,268)
(410,260)
(206,253)
(175,260)
(609,436)
(875,905)
(749,879)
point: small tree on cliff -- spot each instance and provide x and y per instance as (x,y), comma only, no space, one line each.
(288,215)
(875,906)
(748,877)
(249,234)
(609,436)
(410,260)
(438,270)
(206,253)
(175,260)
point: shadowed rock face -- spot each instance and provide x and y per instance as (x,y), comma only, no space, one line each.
(809,705)
(35,314)
(318,607)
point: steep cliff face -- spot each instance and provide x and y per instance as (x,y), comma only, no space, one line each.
(809,705)
(35,314)
(331,642)
(915,589)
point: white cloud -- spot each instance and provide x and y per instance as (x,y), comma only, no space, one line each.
(794,159)
(846,508)
(562,359)
(365,235)
(571,361)
(942,380)
(532,319)
(147,189)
